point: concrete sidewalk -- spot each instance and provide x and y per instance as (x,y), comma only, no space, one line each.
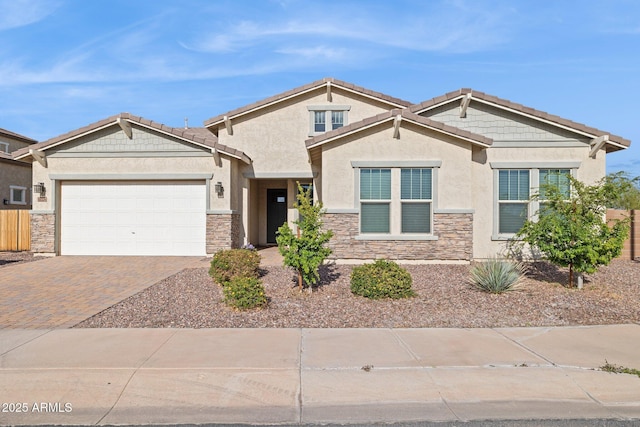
(292,376)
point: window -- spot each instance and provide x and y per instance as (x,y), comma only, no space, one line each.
(559,178)
(337,119)
(513,200)
(319,121)
(415,193)
(18,195)
(396,200)
(515,181)
(327,117)
(375,200)
(4,147)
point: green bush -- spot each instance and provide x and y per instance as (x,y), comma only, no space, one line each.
(497,276)
(244,293)
(382,279)
(230,263)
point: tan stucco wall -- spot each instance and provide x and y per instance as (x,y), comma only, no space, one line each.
(18,174)
(14,144)
(590,171)
(415,144)
(273,137)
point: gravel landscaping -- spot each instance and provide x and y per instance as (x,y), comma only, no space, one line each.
(13,258)
(190,299)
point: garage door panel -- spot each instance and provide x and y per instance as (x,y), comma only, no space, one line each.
(133,218)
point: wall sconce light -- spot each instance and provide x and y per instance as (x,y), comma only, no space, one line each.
(40,189)
(219,189)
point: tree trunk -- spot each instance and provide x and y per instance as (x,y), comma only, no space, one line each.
(300,280)
(571,275)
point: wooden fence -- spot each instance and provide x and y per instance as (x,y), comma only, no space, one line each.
(631,248)
(15,230)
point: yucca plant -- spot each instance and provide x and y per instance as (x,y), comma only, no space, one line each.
(497,275)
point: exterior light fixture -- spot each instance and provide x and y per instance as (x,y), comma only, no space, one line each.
(40,189)
(219,189)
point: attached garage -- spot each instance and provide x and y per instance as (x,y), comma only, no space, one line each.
(133,218)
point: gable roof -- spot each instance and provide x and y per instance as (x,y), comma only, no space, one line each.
(614,143)
(405,115)
(198,136)
(394,102)
(8,133)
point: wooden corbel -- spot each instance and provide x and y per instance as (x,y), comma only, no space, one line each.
(396,126)
(227,125)
(597,144)
(39,156)
(126,127)
(464,104)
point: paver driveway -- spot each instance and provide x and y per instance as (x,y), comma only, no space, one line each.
(63,291)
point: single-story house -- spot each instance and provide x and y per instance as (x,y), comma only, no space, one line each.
(15,176)
(446,179)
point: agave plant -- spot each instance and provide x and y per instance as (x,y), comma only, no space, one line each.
(497,275)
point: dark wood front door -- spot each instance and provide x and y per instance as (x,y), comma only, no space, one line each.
(276,211)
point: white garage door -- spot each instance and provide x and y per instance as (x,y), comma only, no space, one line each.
(133,218)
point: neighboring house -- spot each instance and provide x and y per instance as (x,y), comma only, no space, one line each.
(447,179)
(15,176)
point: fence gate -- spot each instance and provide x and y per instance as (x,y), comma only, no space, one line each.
(15,230)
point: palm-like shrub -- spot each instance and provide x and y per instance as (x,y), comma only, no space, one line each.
(497,275)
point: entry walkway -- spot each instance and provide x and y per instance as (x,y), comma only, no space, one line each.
(60,292)
(292,376)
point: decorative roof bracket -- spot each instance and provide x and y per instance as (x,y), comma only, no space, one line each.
(227,125)
(597,144)
(39,156)
(329,97)
(126,127)
(396,126)
(464,104)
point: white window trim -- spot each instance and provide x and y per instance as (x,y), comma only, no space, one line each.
(395,203)
(327,120)
(534,186)
(4,147)
(24,195)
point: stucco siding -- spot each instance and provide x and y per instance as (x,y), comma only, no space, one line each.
(453,189)
(18,174)
(274,136)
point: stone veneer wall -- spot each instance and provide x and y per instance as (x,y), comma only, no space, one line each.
(223,232)
(454,232)
(43,233)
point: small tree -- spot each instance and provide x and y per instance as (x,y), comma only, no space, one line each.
(572,232)
(305,250)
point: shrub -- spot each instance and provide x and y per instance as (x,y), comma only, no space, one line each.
(497,275)
(230,263)
(244,293)
(382,279)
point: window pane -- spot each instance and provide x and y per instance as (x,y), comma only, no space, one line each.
(556,177)
(337,119)
(374,217)
(513,185)
(319,118)
(375,184)
(415,184)
(512,217)
(416,217)
(18,194)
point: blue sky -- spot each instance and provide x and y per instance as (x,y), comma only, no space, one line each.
(67,63)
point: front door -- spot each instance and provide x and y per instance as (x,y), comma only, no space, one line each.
(276,211)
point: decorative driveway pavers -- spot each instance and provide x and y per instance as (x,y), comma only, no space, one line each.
(62,291)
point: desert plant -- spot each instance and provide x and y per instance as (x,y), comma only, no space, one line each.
(497,275)
(230,263)
(382,279)
(306,249)
(244,293)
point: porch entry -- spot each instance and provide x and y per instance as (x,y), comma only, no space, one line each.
(276,212)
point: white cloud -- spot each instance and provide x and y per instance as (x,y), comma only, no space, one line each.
(18,13)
